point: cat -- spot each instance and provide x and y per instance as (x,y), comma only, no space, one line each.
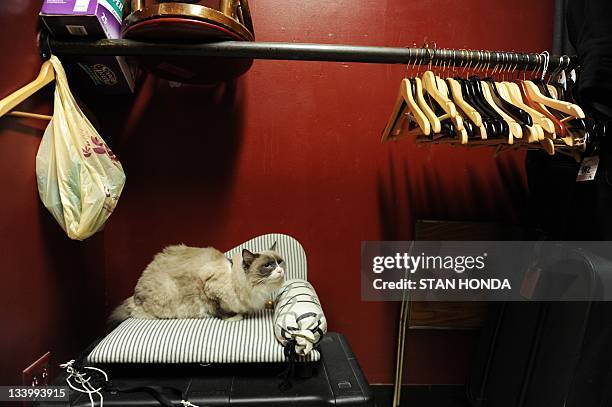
(193,282)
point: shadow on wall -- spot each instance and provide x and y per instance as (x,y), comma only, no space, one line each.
(394,216)
(76,280)
(461,186)
(184,135)
(180,145)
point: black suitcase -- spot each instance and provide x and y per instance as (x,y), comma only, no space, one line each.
(546,354)
(336,380)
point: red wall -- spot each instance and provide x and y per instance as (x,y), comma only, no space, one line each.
(296,149)
(51,288)
(293,147)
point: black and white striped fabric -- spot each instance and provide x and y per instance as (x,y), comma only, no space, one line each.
(290,249)
(298,316)
(207,340)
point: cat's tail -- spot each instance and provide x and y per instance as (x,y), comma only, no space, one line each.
(120,314)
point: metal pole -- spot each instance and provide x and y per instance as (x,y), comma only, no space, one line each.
(301,52)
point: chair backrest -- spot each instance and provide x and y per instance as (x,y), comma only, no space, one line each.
(291,250)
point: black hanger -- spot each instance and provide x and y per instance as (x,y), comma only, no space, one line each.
(492,128)
(484,105)
(518,114)
(470,127)
(474,82)
(447,127)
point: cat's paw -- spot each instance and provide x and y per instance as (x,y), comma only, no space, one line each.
(237,317)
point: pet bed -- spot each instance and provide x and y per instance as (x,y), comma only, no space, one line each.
(293,329)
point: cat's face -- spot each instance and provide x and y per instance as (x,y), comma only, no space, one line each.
(267,267)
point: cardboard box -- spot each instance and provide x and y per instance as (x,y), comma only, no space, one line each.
(94,20)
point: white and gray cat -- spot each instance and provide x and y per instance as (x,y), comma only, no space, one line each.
(193,282)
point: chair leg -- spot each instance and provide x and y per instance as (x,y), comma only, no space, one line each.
(228,7)
(401,341)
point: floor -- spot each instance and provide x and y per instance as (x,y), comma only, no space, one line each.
(425,396)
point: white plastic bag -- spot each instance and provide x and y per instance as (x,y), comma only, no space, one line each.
(79,178)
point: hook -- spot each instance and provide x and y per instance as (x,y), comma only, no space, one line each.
(536,72)
(431,56)
(516,64)
(479,62)
(546,57)
(43,45)
(465,62)
(408,62)
(417,51)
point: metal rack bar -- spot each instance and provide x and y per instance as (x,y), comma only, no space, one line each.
(302,52)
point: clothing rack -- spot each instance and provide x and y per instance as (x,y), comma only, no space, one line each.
(304,52)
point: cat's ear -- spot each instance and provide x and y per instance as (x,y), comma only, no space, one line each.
(273,248)
(247,257)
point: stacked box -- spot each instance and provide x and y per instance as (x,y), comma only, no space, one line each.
(93,20)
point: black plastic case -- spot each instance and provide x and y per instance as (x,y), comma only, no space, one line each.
(336,380)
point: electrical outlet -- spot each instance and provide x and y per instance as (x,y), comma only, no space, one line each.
(37,374)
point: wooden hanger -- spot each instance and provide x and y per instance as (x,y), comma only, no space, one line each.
(431,86)
(45,76)
(404,104)
(457,120)
(515,128)
(558,124)
(434,121)
(514,92)
(565,107)
(419,116)
(534,132)
(471,112)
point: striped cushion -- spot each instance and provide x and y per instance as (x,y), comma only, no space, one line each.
(206,340)
(298,316)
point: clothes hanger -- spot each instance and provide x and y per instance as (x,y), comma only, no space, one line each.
(460,89)
(434,121)
(535,131)
(514,95)
(405,104)
(460,102)
(472,117)
(567,121)
(518,114)
(431,86)
(390,130)
(515,112)
(474,89)
(493,128)
(526,96)
(45,76)
(568,108)
(458,121)
(417,90)
(514,128)
(406,90)
(559,127)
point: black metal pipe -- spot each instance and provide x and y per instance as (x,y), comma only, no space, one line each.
(304,52)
